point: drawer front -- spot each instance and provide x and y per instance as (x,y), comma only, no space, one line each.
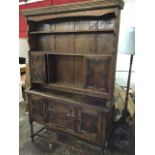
(61,115)
(37,108)
(61,122)
(61,109)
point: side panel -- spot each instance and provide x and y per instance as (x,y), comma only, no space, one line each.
(36,108)
(38,68)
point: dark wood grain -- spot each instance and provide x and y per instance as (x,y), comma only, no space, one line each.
(38,68)
(73,51)
(75,7)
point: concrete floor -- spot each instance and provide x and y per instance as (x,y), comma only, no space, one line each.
(26,147)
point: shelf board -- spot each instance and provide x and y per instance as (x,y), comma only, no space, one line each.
(66,100)
(70,54)
(88,92)
(72,31)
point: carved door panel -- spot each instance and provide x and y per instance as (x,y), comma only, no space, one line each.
(97,72)
(37,111)
(89,124)
(61,115)
(38,68)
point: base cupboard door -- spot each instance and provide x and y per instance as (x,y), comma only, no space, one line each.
(37,108)
(89,125)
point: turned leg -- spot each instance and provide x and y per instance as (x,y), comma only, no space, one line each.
(32,137)
(105,149)
(102,152)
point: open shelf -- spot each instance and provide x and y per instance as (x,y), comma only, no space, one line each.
(97,43)
(86,74)
(66,69)
(71,88)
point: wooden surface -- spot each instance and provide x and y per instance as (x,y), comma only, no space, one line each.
(80,6)
(26,147)
(72,71)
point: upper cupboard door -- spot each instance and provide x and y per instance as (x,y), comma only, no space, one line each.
(38,68)
(98,73)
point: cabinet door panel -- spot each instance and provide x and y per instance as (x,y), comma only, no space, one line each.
(89,122)
(37,111)
(97,73)
(38,68)
(61,115)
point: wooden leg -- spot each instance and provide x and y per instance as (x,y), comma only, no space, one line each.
(32,137)
(104,149)
(102,152)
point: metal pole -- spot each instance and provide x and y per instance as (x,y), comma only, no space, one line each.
(128,87)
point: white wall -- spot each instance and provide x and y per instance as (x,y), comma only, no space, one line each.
(23,48)
(127,20)
(122,71)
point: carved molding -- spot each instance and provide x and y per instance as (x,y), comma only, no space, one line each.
(80,6)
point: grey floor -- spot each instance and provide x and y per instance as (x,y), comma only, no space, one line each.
(26,147)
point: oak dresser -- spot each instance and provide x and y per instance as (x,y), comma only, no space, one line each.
(73,51)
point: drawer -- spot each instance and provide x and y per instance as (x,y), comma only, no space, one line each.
(61,115)
(57,120)
(63,110)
